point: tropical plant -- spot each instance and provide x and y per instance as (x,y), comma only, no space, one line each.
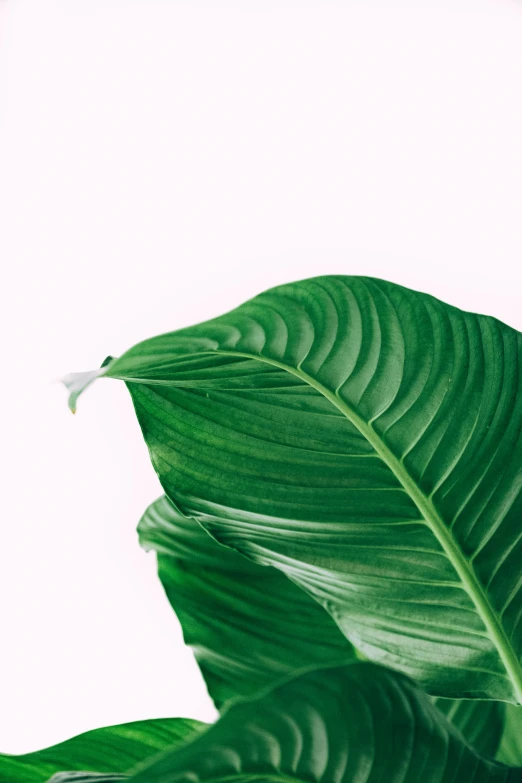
(340,538)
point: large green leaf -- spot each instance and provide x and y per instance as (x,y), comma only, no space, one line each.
(358,723)
(249,625)
(115,749)
(366,440)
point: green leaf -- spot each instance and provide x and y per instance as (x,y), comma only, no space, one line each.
(236,613)
(358,723)
(366,440)
(510,751)
(482,723)
(115,749)
(249,625)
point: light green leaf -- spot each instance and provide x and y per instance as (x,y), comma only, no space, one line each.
(358,723)
(115,749)
(510,751)
(366,440)
(249,625)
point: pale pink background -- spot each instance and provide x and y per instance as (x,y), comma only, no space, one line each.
(160,163)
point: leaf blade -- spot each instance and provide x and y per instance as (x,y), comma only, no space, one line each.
(423,406)
(114,749)
(249,625)
(482,723)
(358,723)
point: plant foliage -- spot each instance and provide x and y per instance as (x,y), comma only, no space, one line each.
(342,463)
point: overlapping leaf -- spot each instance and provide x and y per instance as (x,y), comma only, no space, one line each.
(482,723)
(366,440)
(358,723)
(114,750)
(249,625)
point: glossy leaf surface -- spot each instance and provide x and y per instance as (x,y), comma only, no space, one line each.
(366,440)
(358,723)
(115,749)
(249,625)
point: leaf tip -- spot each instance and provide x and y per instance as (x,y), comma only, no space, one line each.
(77,382)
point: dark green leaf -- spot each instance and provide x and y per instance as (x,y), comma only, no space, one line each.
(115,749)
(358,723)
(366,440)
(249,625)
(482,723)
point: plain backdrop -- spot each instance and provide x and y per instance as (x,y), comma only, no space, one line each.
(161,162)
